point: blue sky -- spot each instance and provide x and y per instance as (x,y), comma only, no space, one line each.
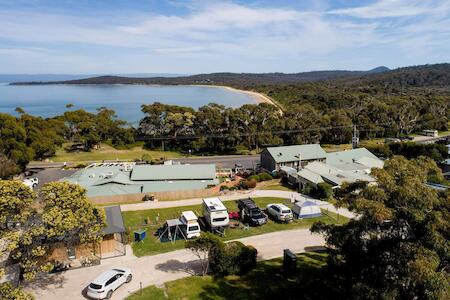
(198,36)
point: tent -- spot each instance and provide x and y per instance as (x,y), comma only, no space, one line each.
(171,231)
(307,209)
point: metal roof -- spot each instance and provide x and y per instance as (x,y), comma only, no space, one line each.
(349,156)
(114,220)
(310,176)
(296,152)
(173,172)
(214,204)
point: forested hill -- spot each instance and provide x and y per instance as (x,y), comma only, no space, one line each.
(233,79)
(437,75)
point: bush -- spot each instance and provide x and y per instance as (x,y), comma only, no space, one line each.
(264,176)
(232,258)
(224,188)
(248,184)
(255,178)
(324,190)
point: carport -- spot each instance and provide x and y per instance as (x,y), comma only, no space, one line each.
(114,234)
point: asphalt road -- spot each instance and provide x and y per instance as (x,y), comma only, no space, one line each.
(50,175)
(228,161)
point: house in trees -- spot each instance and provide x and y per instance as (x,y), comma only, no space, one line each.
(296,156)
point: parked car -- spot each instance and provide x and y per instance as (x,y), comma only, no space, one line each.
(104,285)
(31,182)
(251,213)
(280,212)
(191,227)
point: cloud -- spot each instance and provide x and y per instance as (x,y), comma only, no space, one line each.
(386,9)
(207,36)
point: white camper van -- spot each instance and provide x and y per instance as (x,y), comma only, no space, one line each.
(190,220)
(215,213)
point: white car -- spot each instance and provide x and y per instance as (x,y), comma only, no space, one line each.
(280,212)
(31,182)
(104,285)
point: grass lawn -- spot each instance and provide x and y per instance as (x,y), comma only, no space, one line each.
(266,281)
(135,220)
(107,152)
(274,185)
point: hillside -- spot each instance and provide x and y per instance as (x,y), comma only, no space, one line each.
(233,79)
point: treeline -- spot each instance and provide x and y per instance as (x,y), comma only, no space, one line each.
(219,129)
(28,137)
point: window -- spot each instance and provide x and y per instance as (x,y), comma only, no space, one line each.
(95,286)
(111,280)
(193,228)
(275,208)
(287,211)
(219,219)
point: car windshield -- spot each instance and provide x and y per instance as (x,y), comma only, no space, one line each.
(95,286)
(255,212)
(192,228)
(286,211)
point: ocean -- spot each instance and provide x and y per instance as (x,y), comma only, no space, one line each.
(126,100)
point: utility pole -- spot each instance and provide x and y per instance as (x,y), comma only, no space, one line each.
(355,138)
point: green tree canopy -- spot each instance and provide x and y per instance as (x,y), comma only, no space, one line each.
(399,246)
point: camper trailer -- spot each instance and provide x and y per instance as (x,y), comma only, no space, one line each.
(307,209)
(190,220)
(215,213)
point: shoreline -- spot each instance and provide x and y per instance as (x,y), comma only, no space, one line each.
(257,97)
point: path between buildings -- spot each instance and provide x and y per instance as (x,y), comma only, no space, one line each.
(255,193)
(161,268)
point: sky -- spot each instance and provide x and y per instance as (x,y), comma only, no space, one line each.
(204,36)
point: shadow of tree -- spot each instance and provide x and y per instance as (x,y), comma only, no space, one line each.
(47,281)
(172,266)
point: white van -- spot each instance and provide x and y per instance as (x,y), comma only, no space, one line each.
(215,213)
(190,220)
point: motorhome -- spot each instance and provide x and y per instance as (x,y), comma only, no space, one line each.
(190,220)
(430,132)
(215,213)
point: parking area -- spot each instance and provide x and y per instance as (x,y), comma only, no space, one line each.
(50,175)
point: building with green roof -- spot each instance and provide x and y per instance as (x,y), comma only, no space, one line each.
(295,156)
(119,178)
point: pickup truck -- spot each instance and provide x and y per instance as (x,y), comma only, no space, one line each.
(251,213)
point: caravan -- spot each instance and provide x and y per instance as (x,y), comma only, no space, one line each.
(215,213)
(190,221)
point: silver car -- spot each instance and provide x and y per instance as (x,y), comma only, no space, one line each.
(280,212)
(104,285)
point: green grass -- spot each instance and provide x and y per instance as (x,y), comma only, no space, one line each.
(107,152)
(275,185)
(266,281)
(135,220)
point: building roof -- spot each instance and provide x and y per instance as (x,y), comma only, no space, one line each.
(173,172)
(214,204)
(320,168)
(310,176)
(114,220)
(296,152)
(349,156)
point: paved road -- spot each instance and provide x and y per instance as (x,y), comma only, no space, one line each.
(50,175)
(222,161)
(228,161)
(239,195)
(161,268)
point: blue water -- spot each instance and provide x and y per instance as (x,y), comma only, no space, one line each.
(126,100)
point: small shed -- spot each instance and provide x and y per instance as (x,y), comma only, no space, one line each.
(113,243)
(307,209)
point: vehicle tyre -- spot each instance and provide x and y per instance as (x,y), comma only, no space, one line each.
(109,294)
(129,277)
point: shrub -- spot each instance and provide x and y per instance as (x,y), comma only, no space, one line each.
(232,258)
(264,176)
(254,177)
(324,190)
(224,188)
(248,184)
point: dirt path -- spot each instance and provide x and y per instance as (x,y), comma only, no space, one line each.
(161,268)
